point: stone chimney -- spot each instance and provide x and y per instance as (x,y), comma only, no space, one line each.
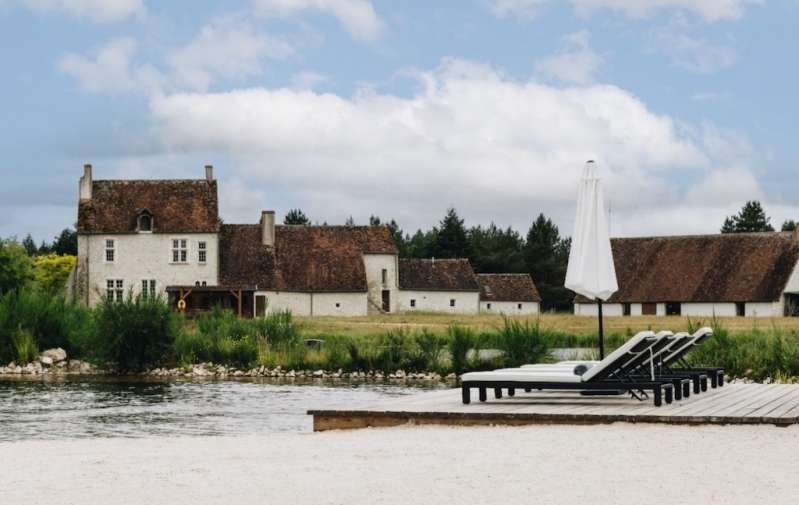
(85,185)
(268,228)
(209,173)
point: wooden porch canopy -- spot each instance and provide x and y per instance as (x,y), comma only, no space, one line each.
(196,299)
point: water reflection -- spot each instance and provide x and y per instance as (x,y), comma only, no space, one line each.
(58,408)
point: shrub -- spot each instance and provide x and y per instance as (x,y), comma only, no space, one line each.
(135,333)
(393,351)
(51,271)
(24,346)
(460,341)
(521,343)
(277,329)
(428,350)
(49,318)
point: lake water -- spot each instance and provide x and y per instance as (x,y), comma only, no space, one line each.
(114,407)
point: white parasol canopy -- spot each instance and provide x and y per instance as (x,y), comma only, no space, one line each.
(591,271)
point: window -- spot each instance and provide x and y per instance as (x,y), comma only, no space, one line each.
(114,290)
(740,309)
(110,250)
(452,302)
(673,309)
(338,305)
(145,222)
(148,289)
(519,306)
(627,309)
(179,250)
(488,306)
(202,252)
(413,303)
(385,276)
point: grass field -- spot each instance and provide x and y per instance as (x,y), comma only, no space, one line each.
(566,323)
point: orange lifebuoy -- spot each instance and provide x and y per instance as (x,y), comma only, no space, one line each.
(181,304)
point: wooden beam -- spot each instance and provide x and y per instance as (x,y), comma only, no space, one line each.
(239,299)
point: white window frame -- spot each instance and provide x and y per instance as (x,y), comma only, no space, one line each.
(179,247)
(115,290)
(113,250)
(138,222)
(148,289)
(202,252)
(384,276)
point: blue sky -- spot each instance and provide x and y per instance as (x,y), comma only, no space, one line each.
(355,107)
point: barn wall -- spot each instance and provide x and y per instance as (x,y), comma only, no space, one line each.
(466,302)
(315,304)
(764,309)
(298,303)
(592,309)
(708,309)
(509,307)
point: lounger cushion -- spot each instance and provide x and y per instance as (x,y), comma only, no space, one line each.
(520,376)
(615,355)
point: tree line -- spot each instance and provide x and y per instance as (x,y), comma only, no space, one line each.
(752,218)
(542,252)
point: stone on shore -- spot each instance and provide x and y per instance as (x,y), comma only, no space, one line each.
(57,355)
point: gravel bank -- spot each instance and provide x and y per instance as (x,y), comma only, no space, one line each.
(616,464)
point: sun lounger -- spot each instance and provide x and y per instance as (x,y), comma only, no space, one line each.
(675,362)
(611,374)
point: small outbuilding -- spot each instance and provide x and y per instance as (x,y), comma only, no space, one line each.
(438,285)
(508,294)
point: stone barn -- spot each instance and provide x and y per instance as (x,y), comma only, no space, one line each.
(508,294)
(747,274)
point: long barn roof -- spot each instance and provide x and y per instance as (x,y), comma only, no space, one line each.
(745,267)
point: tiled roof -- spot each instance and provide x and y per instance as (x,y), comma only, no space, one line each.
(304,258)
(745,267)
(437,275)
(176,206)
(507,288)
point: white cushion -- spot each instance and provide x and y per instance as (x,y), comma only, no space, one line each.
(520,376)
(618,353)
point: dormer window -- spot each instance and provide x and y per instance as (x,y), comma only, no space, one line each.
(144,223)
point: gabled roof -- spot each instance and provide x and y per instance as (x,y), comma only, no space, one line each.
(745,267)
(177,206)
(507,288)
(303,259)
(437,275)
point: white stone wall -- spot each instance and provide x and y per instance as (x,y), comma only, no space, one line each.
(509,308)
(145,256)
(775,309)
(592,309)
(374,264)
(315,304)
(466,302)
(708,309)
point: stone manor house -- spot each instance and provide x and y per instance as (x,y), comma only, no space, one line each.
(165,238)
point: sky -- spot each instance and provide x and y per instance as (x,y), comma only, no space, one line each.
(403,109)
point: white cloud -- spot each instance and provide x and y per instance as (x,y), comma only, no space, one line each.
(227,47)
(709,10)
(410,157)
(357,16)
(695,54)
(101,11)
(521,8)
(110,69)
(576,62)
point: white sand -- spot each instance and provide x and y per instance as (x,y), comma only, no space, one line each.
(618,464)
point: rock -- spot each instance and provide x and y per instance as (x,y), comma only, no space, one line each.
(399,374)
(451,377)
(57,355)
(319,373)
(46,360)
(85,367)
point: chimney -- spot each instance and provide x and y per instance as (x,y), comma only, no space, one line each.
(268,228)
(209,173)
(85,185)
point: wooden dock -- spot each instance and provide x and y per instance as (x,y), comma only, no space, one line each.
(774,404)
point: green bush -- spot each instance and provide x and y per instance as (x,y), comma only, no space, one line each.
(25,346)
(461,340)
(522,343)
(277,329)
(135,333)
(49,318)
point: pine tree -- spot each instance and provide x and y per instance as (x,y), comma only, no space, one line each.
(751,218)
(66,243)
(29,245)
(494,250)
(296,216)
(546,255)
(451,239)
(789,225)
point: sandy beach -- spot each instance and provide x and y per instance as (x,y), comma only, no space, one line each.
(539,464)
